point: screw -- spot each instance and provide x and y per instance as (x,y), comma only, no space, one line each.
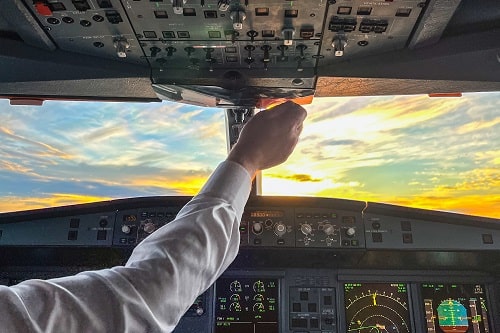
(421,5)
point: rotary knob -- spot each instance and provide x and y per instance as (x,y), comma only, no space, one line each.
(200,311)
(149,227)
(257,228)
(126,229)
(280,229)
(350,232)
(328,229)
(306,229)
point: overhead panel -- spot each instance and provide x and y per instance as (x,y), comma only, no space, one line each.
(359,28)
(94,27)
(249,40)
(278,46)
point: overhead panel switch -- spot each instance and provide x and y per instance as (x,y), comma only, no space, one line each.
(178,6)
(121,45)
(223,5)
(288,36)
(238,16)
(339,43)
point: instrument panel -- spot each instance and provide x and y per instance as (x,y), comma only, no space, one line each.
(306,265)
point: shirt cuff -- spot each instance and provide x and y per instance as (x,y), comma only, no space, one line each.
(231,182)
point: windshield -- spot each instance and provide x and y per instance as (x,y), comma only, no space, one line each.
(76,152)
(417,151)
(434,153)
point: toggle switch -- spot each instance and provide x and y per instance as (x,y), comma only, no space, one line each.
(238,16)
(170,51)
(178,6)
(267,58)
(223,5)
(288,36)
(154,51)
(121,45)
(339,43)
(301,49)
(282,49)
(189,50)
(249,60)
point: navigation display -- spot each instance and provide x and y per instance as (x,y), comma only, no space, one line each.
(246,305)
(457,308)
(377,307)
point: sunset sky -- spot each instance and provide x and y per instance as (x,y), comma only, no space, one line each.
(434,153)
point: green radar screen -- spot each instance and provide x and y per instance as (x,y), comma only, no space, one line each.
(377,308)
(457,308)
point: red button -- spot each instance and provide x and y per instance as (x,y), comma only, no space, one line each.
(43,9)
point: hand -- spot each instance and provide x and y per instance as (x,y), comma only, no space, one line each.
(269,137)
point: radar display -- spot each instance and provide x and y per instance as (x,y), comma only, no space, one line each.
(457,308)
(377,308)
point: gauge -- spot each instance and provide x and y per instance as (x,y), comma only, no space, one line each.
(377,308)
(258,287)
(235,286)
(235,307)
(259,307)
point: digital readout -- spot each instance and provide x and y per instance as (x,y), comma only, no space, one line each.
(130,218)
(267,213)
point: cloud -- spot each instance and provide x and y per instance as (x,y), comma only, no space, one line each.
(16,203)
(34,147)
(296,177)
(478,126)
(412,150)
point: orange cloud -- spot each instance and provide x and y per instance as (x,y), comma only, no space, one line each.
(12,204)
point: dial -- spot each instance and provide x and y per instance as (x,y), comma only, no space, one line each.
(257,228)
(377,308)
(259,307)
(350,232)
(259,287)
(149,227)
(126,229)
(328,229)
(280,229)
(235,286)
(306,229)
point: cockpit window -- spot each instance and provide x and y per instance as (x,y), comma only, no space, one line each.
(65,153)
(417,151)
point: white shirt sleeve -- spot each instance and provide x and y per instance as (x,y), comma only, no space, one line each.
(160,281)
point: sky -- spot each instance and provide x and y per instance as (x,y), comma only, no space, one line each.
(417,151)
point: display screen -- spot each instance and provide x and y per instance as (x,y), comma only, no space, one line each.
(457,308)
(267,213)
(247,305)
(377,307)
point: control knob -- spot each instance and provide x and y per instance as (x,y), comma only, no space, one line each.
(306,229)
(149,227)
(126,229)
(328,229)
(350,232)
(257,228)
(280,229)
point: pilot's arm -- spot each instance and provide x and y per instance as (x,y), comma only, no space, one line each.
(170,268)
